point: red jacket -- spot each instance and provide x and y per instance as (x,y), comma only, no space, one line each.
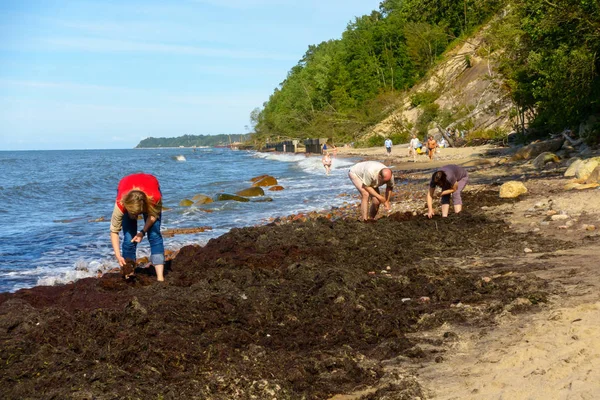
(144,182)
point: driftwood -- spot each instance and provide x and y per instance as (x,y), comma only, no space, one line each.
(571,140)
(535,149)
(446,136)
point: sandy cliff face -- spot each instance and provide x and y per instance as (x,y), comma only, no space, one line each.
(468,87)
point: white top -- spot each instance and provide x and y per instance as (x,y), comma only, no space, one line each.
(414,143)
(368,173)
(388,143)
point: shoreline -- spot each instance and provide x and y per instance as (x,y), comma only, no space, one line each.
(498,298)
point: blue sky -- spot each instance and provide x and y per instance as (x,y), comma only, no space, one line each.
(105,74)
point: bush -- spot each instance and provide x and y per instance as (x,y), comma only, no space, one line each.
(375,141)
(423,98)
(429,114)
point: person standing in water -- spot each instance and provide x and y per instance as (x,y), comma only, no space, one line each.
(452,179)
(138,194)
(367,177)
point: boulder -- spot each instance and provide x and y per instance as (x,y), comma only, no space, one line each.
(225,197)
(251,192)
(276,188)
(201,199)
(265,181)
(572,164)
(258,178)
(535,149)
(512,189)
(594,177)
(544,158)
(586,168)
(186,203)
(262,200)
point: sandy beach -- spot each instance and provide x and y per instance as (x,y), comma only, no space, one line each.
(499,302)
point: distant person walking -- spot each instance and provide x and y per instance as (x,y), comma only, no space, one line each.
(452,179)
(327,162)
(367,177)
(138,194)
(414,144)
(388,146)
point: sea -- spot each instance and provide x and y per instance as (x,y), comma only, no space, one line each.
(55,206)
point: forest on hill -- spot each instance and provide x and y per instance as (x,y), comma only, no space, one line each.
(191,141)
(546,52)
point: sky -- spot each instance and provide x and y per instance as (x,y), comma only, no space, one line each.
(106,74)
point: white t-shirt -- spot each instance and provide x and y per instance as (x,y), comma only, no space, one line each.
(368,173)
(414,143)
(388,143)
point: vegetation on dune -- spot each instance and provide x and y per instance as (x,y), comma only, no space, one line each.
(546,52)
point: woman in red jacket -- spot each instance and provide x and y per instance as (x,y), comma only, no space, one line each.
(138,194)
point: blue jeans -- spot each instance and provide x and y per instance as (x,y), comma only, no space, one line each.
(157,248)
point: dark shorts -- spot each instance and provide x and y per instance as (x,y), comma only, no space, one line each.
(389,149)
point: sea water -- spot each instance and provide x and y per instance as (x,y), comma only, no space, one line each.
(49,201)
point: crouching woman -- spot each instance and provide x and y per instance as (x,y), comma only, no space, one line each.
(452,179)
(138,194)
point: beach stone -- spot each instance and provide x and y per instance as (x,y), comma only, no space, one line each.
(512,189)
(572,164)
(559,217)
(594,176)
(546,157)
(586,169)
(201,199)
(186,203)
(266,181)
(258,178)
(276,188)
(225,197)
(251,192)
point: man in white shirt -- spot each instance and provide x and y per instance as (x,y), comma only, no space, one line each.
(412,147)
(367,176)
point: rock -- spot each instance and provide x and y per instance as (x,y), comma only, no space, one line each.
(225,197)
(546,157)
(572,164)
(186,203)
(559,217)
(527,250)
(586,169)
(535,149)
(594,176)
(512,189)
(258,178)
(262,200)
(265,181)
(201,199)
(251,192)
(276,188)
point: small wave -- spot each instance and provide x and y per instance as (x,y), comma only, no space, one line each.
(179,157)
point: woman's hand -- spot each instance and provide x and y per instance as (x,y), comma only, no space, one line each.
(430,213)
(137,238)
